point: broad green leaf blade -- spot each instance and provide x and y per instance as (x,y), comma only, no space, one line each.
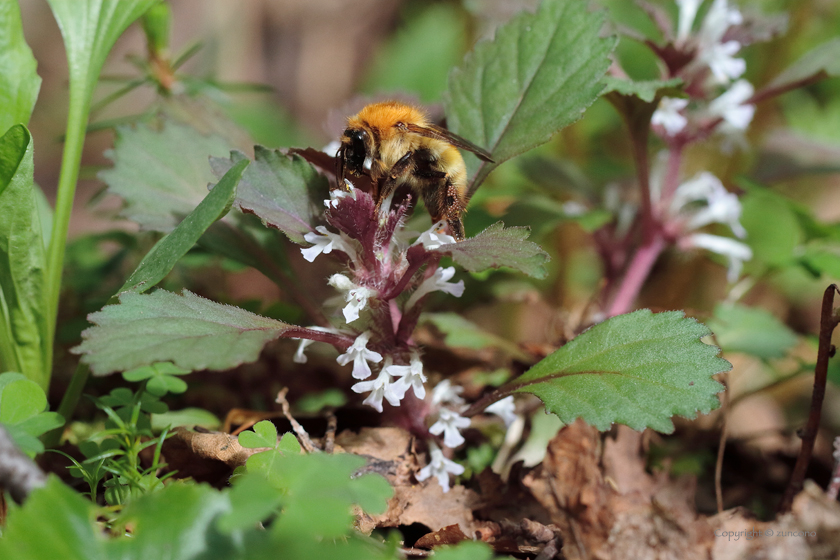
(461,333)
(252,500)
(161,174)
(535,77)
(284,192)
(24,340)
(751,330)
(497,247)
(774,232)
(19,83)
(169,250)
(638,369)
(646,90)
(192,332)
(90,28)
(263,435)
(821,60)
(20,400)
(55,522)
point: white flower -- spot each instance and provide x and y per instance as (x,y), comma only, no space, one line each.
(432,238)
(439,467)
(439,281)
(722,206)
(444,392)
(338,194)
(505,409)
(324,242)
(724,66)
(450,424)
(411,376)
(381,387)
(688,11)
(735,251)
(356,296)
(668,115)
(360,356)
(730,107)
(718,20)
(300,356)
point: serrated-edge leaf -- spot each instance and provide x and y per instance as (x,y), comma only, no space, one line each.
(284,191)
(497,247)
(535,77)
(19,82)
(168,251)
(752,330)
(638,369)
(161,174)
(192,332)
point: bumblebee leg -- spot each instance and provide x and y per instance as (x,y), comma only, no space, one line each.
(452,209)
(389,183)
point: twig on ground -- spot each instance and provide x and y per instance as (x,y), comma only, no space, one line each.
(304,438)
(828,321)
(329,436)
(724,432)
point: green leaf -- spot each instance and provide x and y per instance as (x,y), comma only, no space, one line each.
(185,417)
(821,60)
(55,522)
(25,344)
(264,435)
(192,332)
(535,77)
(637,369)
(20,399)
(822,257)
(773,230)
(19,83)
(284,192)
(177,522)
(90,28)
(419,56)
(751,330)
(252,500)
(648,91)
(161,174)
(289,444)
(169,250)
(461,333)
(496,247)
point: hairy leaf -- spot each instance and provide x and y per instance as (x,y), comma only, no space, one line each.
(820,61)
(192,332)
(285,192)
(19,83)
(536,76)
(161,174)
(169,250)
(496,247)
(25,344)
(638,369)
(751,330)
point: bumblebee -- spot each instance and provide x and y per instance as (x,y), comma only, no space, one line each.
(396,144)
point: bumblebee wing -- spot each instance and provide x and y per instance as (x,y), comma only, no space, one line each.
(440,133)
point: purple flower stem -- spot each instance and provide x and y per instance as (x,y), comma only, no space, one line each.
(636,275)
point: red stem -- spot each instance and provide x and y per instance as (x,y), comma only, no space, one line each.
(636,274)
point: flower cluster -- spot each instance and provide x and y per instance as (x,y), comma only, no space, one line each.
(712,51)
(382,263)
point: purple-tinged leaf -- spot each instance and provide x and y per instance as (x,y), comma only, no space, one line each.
(285,192)
(192,332)
(496,247)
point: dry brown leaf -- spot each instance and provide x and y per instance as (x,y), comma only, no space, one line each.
(451,534)
(204,456)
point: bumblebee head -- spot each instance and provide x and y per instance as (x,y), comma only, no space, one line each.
(354,152)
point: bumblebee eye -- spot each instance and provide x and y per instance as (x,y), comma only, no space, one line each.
(356,151)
